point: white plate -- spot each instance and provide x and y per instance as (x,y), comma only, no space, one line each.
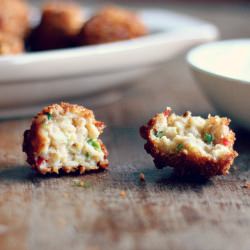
(222,70)
(33,78)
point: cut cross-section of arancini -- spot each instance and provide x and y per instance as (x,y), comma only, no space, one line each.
(190,144)
(65,138)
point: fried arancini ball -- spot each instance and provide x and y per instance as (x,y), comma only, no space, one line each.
(14,17)
(111,24)
(10,44)
(190,144)
(64,138)
(59,26)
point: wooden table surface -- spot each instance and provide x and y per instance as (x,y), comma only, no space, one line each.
(161,213)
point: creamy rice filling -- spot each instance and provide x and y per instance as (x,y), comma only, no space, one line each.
(188,133)
(70,141)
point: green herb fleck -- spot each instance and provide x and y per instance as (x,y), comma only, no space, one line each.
(179,147)
(159,134)
(208,138)
(87,155)
(49,116)
(95,144)
(82,184)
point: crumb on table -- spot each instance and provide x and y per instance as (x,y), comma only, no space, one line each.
(142,177)
(246,185)
(123,194)
(80,183)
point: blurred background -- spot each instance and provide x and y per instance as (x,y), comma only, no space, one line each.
(170,81)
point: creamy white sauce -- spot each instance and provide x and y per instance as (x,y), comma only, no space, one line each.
(229,59)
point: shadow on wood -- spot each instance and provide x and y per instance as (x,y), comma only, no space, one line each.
(23,174)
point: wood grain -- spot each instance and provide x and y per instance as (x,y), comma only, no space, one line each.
(163,212)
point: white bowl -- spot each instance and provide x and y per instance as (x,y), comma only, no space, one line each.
(32,78)
(222,69)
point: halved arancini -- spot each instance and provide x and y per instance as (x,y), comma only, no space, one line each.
(190,144)
(65,137)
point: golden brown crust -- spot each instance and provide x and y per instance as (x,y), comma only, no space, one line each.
(59,26)
(189,163)
(34,139)
(65,107)
(10,44)
(111,24)
(14,17)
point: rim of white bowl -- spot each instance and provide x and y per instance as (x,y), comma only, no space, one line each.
(191,61)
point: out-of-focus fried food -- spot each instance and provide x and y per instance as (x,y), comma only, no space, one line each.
(111,24)
(65,138)
(14,17)
(190,144)
(10,44)
(59,26)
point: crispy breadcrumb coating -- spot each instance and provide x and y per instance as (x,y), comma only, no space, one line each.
(111,24)
(190,144)
(65,138)
(10,44)
(59,26)
(14,17)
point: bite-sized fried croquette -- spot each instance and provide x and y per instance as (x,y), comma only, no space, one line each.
(10,44)
(65,138)
(111,24)
(59,26)
(14,17)
(190,144)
